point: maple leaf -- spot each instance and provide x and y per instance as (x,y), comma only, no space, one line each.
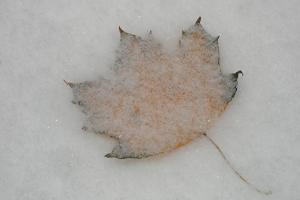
(157,101)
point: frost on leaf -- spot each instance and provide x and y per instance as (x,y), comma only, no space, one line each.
(157,101)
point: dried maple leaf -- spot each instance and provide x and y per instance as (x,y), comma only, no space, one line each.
(158,101)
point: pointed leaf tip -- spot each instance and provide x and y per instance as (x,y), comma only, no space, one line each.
(236,74)
(216,39)
(70,84)
(121,30)
(239,72)
(109,155)
(198,21)
(124,33)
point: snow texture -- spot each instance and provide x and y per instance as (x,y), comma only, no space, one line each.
(44,154)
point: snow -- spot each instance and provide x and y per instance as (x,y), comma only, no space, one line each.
(44,154)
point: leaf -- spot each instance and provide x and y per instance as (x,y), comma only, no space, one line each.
(157,101)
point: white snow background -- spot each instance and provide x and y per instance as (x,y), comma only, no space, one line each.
(45,155)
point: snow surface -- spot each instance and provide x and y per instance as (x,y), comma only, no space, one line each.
(44,154)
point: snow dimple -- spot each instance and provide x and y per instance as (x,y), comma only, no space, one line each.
(157,101)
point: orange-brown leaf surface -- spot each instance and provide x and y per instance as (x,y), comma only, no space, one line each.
(157,101)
